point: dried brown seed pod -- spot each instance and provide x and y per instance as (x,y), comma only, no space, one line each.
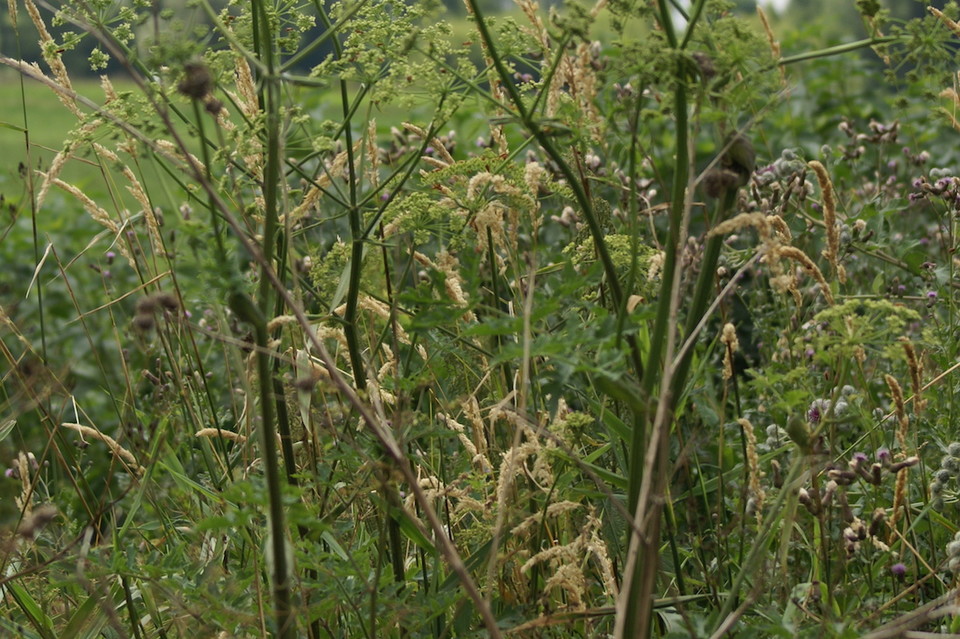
(144,323)
(196,82)
(168,301)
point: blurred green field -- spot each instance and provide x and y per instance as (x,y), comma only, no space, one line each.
(29,104)
(32,106)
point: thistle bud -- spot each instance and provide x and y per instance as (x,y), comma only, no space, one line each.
(879,515)
(740,157)
(798,431)
(196,82)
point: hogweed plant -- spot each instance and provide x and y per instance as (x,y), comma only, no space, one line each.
(345,319)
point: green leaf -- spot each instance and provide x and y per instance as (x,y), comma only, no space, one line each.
(31,609)
(89,619)
(6,428)
(411,530)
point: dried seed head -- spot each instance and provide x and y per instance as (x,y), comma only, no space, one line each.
(168,301)
(842,477)
(805,498)
(728,337)
(953,548)
(144,323)
(906,463)
(828,493)
(879,515)
(196,82)
(740,157)
(146,305)
(716,181)
(33,522)
(213,106)
(705,65)
(777,475)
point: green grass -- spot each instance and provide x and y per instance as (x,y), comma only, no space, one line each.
(34,106)
(427,378)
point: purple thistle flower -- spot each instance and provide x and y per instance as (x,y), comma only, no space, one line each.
(899,571)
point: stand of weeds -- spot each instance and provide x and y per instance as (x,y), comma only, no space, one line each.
(296,356)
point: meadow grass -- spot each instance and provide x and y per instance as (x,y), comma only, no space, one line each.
(508,332)
(31,104)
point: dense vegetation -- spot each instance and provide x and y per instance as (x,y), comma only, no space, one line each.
(621,319)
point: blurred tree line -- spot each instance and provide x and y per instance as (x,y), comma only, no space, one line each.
(835,21)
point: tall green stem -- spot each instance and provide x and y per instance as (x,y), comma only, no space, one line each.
(351,333)
(256,315)
(247,311)
(638,611)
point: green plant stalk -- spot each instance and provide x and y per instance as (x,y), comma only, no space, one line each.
(703,290)
(356,236)
(270,96)
(131,607)
(634,213)
(678,194)
(671,520)
(786,500)
(692,23)
(831,51)
(33,207)
(638,611)
(356,253)
(247,311)
(256,315)
(701,295)
(350,329)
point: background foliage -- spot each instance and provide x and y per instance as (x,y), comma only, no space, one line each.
(376,319)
